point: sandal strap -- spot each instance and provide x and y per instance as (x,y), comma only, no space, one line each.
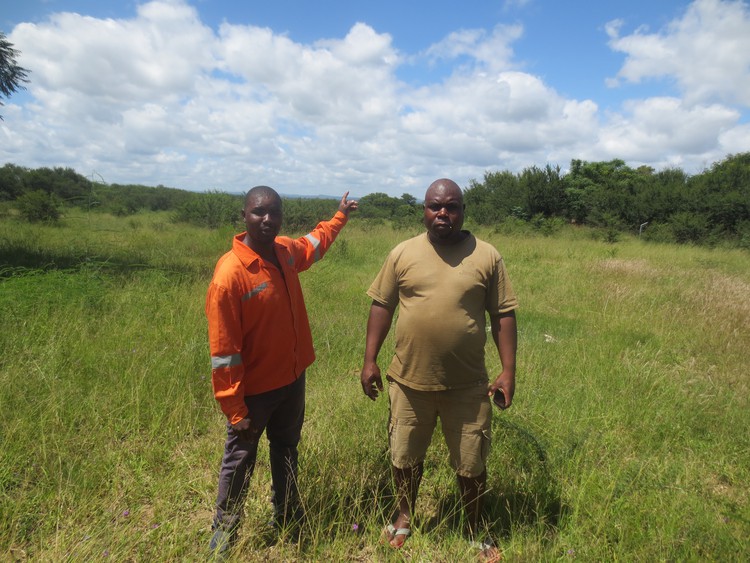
(486,543)
(398,531)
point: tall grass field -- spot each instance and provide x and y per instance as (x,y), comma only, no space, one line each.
(628,439)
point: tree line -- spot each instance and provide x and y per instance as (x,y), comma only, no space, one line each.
(667,205)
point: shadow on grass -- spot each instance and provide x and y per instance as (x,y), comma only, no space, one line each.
(18,261)
(338,502)
(522,495)
(526,494)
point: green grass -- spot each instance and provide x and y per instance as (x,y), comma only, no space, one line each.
(627,439)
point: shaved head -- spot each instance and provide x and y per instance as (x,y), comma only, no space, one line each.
(446,187)
(261,191)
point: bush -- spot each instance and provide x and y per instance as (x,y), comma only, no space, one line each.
(211,209)
(658,232)
(688,227)
(548,226)
(406,222)
(302,214)
(38,205)
(743,235)
(512,225)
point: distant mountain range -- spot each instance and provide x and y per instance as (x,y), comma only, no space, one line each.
(319,196)
(296,196)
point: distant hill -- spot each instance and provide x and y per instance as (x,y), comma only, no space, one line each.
(319,196)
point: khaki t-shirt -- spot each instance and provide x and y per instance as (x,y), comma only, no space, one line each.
(443,293)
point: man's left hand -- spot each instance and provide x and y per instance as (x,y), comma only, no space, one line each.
(347,205)
(506,381)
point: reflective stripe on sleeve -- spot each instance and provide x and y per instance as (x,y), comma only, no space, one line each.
(225,361)
(315,243)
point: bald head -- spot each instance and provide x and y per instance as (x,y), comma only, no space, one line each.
(444,212)
(261,192)
(445,187)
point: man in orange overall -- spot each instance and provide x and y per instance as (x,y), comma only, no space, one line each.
(260,344)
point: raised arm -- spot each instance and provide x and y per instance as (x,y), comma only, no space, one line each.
(378,325)
(312,247)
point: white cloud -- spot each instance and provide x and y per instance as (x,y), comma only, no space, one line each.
(154,56)
(491,50)
(161,98)
(706,52)
(735,139)
(668,128)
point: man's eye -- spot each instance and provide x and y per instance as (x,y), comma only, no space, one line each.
(260,211)
(450,208)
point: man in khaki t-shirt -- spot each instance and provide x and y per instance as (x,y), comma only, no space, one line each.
(444,282)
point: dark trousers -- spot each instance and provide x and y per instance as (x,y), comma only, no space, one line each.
(280,413)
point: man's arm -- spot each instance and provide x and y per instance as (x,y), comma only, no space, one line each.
(223,312)
(378,325)
(505,335)
(312,247)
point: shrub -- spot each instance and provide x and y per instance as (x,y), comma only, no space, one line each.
(658,232)
(688,227)
(211,209)
(38,205)
(743,235)
(403,222)
(512,225)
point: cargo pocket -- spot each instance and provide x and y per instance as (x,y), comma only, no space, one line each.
(486,444)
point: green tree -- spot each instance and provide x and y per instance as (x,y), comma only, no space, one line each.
(302,214)
(581,192)
(664,195)
(494,199)
(544,190)
(12,76)
(597,192)
(378,205)
(722,193)
(409,199)
(11,181)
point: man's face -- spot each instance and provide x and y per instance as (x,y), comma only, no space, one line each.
(443,213)
(263,218)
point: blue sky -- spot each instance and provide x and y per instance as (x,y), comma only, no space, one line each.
(323,97)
